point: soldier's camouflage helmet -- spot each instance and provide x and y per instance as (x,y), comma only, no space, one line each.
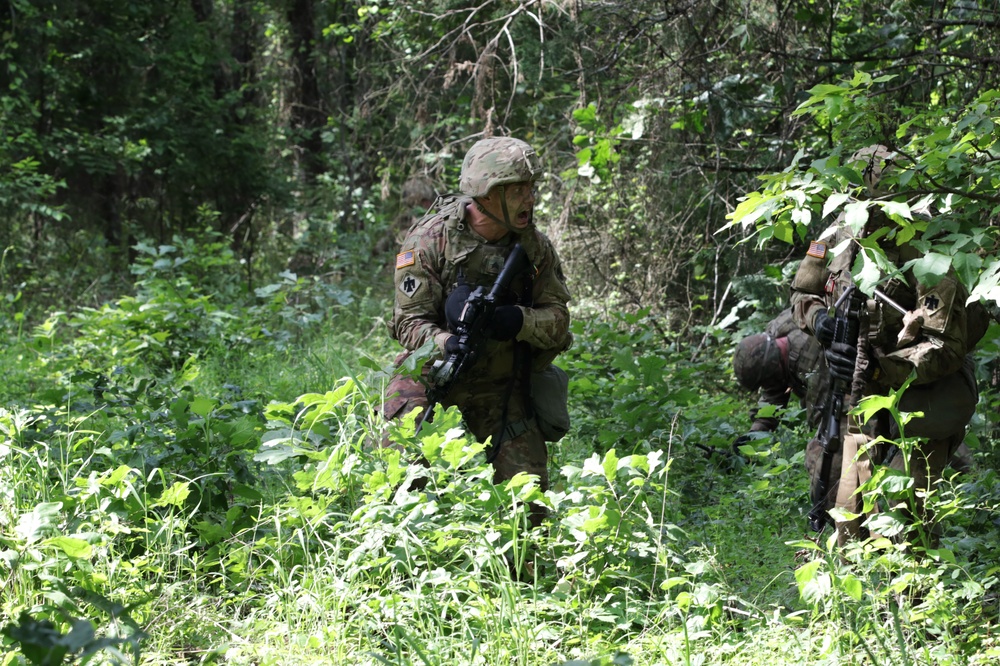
(497,161)
(418,191)
(757,362)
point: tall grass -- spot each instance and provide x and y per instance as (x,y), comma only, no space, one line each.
(231,507)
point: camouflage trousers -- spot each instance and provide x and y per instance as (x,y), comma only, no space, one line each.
(947,404)
(521,448)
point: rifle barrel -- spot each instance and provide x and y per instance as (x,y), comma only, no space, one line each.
(881,295)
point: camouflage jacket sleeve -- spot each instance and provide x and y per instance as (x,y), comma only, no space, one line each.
(776,396)
(418,310)
(809,286)
(941,345)
(546,322)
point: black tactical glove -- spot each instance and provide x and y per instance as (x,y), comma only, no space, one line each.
(824,326)
(453,345)
(455,303)
(507,322)
(841,358)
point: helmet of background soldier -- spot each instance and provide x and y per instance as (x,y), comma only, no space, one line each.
(876,159)
(418,191)
(497,161)
(757,362)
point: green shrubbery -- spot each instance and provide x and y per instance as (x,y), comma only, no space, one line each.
(170,493)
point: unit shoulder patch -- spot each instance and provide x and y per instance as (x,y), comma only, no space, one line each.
(936,304)
(410,285)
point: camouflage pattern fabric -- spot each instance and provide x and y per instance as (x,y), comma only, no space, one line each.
(944,388)
(804,375)
(497,161)
(441,246)
(441,250)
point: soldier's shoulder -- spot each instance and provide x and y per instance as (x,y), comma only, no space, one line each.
(538,241)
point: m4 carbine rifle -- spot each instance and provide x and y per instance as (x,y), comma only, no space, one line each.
(846,314)
(472,329)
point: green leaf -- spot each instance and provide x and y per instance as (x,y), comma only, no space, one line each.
(851,585)
(931,268)
(967,266)
(43,518)
(71,546)
(813,585)
(870,273)
(856,215)
(175,495)
(834,202)
(895,482)
(896,208)
(611,466)
(203,406)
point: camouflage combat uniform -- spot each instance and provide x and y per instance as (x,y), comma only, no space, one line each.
(944,388)
(440,252)
(803,374)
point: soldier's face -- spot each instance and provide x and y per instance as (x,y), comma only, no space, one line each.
(520,198)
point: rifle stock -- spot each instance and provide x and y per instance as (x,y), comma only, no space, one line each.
(472,331)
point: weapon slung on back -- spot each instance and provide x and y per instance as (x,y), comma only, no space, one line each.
(846,315)
(472,330)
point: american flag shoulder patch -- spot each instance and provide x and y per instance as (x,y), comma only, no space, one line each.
(816,249)
(404,259)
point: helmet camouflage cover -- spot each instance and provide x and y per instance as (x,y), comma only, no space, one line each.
(757,362)
(417,190)
(497,161)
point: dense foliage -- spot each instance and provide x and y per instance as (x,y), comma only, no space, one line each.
(177,490)
(193,339)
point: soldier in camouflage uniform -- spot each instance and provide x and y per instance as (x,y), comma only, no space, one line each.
(464,244)
(781,362)
(933,340)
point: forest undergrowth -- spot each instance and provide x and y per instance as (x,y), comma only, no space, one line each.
(189,474)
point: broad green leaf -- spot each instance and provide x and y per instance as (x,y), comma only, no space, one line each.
(870,405)
(856,215)
(967,266)
(274,455)
(931,268)
(610,466)
(895,482)
(175,495)
(869,275)
(203,406)
(896,208)
(813,585)
(834,202)
(988,286)
(43,518)
(71,546)
(851,585)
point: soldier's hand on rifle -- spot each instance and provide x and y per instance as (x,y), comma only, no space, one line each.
(453,345)
(824,327)
(455,303)
(507,322)
(841,357)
